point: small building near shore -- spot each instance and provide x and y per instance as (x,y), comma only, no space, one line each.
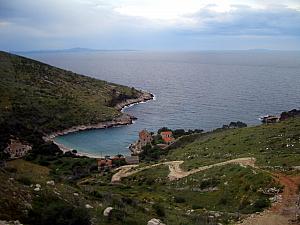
(132,159)
(145,138)
(270,119)
(167,137)
(17,149)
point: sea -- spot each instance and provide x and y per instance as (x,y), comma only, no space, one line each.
(193,90)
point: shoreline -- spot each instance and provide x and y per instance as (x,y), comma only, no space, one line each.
(124,119)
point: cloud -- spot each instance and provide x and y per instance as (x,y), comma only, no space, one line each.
(143,24)
(245,20)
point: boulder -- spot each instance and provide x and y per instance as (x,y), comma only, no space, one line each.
(107,211)
(51,182)
(87,206)
(155,222)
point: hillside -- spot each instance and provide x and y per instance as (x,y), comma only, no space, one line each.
(222,176)
(216,177)
(42,98)
(273,145)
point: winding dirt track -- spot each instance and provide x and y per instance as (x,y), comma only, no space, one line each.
(175,171)
(284,212)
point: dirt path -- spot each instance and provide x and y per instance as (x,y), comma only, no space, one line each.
(285,210)
(175,171)
(281,213)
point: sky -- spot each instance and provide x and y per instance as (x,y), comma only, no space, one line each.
(149,24)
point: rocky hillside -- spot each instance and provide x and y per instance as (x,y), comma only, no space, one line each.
(41,98)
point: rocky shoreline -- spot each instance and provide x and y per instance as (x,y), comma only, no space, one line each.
(124,119)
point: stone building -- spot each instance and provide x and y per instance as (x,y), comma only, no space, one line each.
(144,138)
(17,149)
(134,159)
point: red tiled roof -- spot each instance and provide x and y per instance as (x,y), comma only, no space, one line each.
(168,139)
(166,132)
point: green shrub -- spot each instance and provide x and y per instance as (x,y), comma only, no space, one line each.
(11,169)
(179,199)
(159,209)
(50,210)
(24,180)
(261,203)
(117,214)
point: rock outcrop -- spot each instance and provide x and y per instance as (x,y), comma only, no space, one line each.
(155,222)
(107,211)
(289,114)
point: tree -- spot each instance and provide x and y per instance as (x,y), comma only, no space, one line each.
(163,129)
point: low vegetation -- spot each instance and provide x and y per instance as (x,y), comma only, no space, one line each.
(220,194)
(51,187)
(37,98)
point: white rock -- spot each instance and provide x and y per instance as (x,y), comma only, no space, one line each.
(107,211)
(88,206)
(38,186)
(51,182)
(155,222)
(56,192)
(37,189)
(75,194)
(217,214)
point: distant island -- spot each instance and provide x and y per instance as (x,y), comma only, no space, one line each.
(72,50)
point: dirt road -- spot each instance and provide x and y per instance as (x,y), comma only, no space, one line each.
(283,212)
(175,171)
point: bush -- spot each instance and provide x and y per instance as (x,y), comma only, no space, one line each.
(11,169)
(163,129)
(117,214)
(50,210)
(223,201)
(212,182)
(261,203)
(159,209)
(179,199)
(24,180)
(47,148)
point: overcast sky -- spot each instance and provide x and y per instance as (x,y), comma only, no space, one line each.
(149,24)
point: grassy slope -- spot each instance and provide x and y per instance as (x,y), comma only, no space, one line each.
(227,189)
(272,145)
(47,98)
(149,194)
(50,91)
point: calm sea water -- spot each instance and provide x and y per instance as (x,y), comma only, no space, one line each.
(193,90)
